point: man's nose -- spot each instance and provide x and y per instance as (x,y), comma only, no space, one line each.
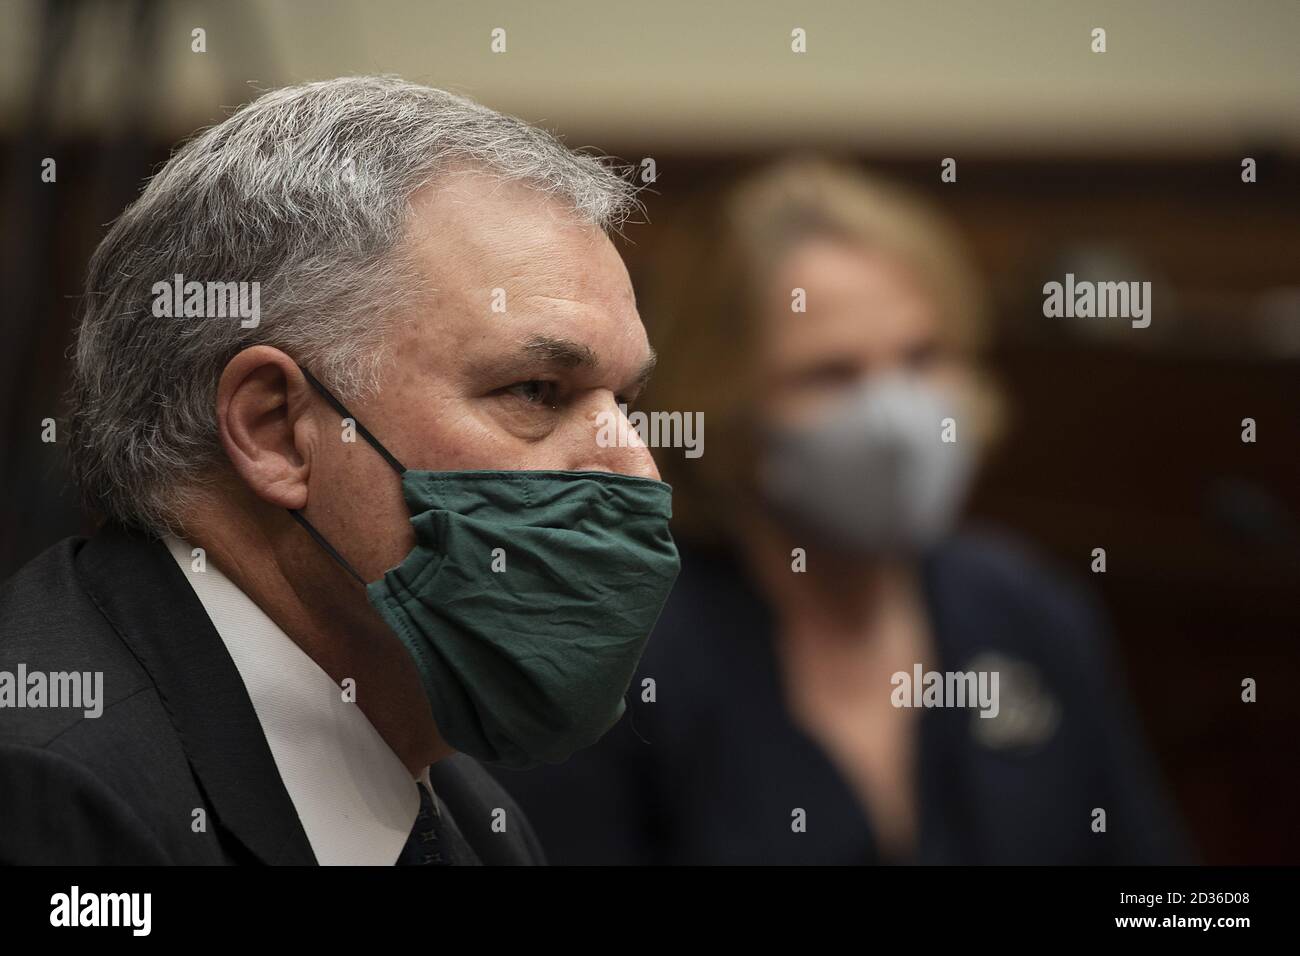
(614,445)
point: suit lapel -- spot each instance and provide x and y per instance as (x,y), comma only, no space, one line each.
(144,595)
(472,796)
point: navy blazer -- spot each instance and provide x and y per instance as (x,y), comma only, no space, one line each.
(178,732)
(712,770)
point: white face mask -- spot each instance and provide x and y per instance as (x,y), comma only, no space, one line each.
(873,475)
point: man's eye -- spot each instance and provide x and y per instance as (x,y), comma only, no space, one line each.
(536,392)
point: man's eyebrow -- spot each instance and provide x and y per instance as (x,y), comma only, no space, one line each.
(565,353)
(561,352)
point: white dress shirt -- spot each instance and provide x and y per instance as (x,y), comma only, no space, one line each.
(355,798)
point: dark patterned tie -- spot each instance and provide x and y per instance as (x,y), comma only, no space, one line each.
(434,839)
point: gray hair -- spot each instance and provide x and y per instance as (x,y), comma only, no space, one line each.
(306,190)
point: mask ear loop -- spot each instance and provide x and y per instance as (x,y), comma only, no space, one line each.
(374,443)
(329,548)
(339,407)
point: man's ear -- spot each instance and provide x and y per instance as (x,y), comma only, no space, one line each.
(262,404)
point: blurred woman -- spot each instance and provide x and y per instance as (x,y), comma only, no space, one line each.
(828,329)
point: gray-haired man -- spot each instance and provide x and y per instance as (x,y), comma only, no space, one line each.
(337,392)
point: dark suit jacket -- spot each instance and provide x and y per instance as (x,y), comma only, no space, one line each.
(710,772)
(178,732)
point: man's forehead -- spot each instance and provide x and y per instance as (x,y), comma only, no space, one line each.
(472,238)
(510,281)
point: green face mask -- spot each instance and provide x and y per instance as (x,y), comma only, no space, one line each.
(527,600)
